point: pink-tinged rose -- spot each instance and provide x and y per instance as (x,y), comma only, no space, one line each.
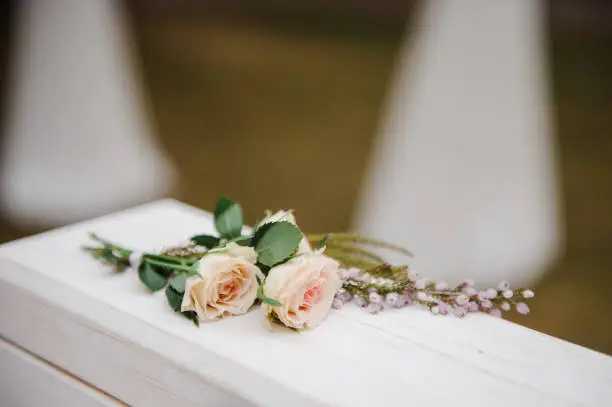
(228,284)
(305,286)
(235,250)
(287,216)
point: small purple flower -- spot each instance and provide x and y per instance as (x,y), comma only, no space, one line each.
(505,306)
(371,279)
(460,312)
(441,286)
(470,291)
(375,308)
(503,286)
(407,300)
(496,312)
(443,307)
(365,277)
(528,294)
(375,297)
(420,284)
(360,301)
(482,295)
(393,299)
(467,283)
(507,294)
(462,299)
(486,304)
(491,293)
(346,296)
(472,306)
(338,303)
(522,308)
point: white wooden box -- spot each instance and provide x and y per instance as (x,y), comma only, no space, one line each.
(72,330)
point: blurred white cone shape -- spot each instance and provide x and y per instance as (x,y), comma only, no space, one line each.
(77,139)
(463,174)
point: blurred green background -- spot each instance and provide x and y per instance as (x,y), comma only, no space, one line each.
(233,85)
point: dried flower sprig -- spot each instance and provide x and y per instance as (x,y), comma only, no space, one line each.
(394,287)
(371,283)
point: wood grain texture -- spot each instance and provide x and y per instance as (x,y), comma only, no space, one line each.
(105,328)
(27,381)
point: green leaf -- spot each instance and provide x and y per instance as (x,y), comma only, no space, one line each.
(228,218)
(193,270)
(322,243)
(175,298)
(152,279)
(223,204)
(207,241)
(242,240)
(279,241)
(259,232)
(178,282)
(266,300)
(192,316)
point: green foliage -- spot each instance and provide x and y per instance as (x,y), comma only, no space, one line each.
(322,243)
(192,316)
(193,270)
(178,282)
(174,294)
(108,256)
(228,218)
(343,238)
(207,241)
(277,242)
(266,300)
(174,297)
(259,232)
(151,278)
(242,240)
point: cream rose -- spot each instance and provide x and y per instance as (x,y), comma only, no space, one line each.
(287,216)
(228,284)
(305,286)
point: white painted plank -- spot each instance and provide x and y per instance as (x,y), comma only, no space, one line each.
(26,381)
(353,359)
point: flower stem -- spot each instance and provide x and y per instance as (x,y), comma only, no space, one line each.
(175,260)
(170,266)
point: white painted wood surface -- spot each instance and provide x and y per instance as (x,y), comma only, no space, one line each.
(464,172)
(108,330)
(26,381)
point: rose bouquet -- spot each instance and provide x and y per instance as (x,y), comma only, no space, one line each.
(297,278)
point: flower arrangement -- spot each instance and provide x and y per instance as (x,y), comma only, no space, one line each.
(297,278)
